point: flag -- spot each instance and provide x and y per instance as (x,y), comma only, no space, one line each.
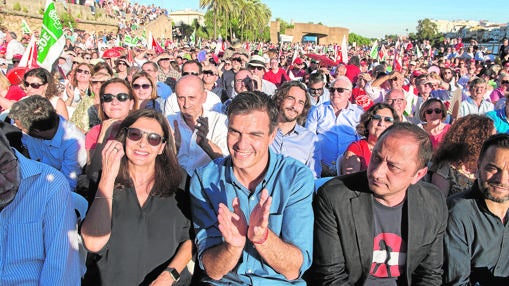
(418,51)
(29,58)
(199,43)
(117,41)
(130,41)
(382,54)
(153,44)
(374,50)
(52,41)
(397,64)
(25,28)
(71,27)
(344,50)
(193,37)
(219,45)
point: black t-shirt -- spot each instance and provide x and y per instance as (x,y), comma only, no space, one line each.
(143,239)
(389,245)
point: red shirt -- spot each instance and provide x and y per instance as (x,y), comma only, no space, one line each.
(276,78)
(361,149)
(14,93)
(360,98)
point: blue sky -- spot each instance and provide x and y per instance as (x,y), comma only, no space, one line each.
(371,18)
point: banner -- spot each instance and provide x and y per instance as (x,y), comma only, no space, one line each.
(52,41)
(25,28)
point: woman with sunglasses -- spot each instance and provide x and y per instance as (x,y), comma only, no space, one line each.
(78,86)
(433,114)
(121,66)
(144,91)
(116,102)
(39,81)
(135,224)
(372,123)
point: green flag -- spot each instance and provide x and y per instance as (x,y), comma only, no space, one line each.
(25,28)
(130,41)
(52,41)
(193,37)
(374,50)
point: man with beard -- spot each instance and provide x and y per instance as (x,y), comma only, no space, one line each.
(477,237)
(38,237)
(291,138)
(383,226)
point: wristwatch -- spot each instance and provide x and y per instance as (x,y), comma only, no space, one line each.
(173,272)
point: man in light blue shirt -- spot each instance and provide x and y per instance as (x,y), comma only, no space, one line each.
(38,236)
(291,138)
(49,138)
(475,103)
(334,122)
(252,210)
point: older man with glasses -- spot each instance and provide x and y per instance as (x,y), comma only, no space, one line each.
(334,122)
(257,66)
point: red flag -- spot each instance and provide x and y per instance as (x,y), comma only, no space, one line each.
(156,46)
(382,53)
(130,57)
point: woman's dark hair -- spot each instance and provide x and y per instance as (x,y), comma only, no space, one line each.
(46,78)
(462,143)
(427,103)
(100,66)
(143,74)
(362,127)
(167,171)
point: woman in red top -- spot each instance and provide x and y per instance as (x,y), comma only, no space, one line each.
(9,93)
(433,113)
(275,74)
(373,122)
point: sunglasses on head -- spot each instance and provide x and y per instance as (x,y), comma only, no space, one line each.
(33,84)
(144,86)
(436,110)
(378,117)
(82,71)
(108,97)
(135,134)
(338,89)
(188,73)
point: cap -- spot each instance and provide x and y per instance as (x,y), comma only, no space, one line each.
(413,63)
(297,61)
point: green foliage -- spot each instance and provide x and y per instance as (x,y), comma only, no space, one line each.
(67,18)
(25,10)
(426,30)
(16,6)
(283,25)
(360,40)
(391,37)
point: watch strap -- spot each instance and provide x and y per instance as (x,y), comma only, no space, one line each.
(173,272)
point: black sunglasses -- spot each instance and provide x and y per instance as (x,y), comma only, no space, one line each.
(82,71)
(237,59)
(256,68)
(208,72)
(315,90)
(108,97)
(378,117)
(436,110)
(338,89)
(33,85)
(144,86)
(504,82)
(188,73)
(135,134)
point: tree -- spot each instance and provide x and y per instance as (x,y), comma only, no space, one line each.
(427,30)
(360,40)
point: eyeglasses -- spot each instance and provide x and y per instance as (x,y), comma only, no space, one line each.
(237,60)
(208,72)
(436,110)
(98,82)
(338,89)
(87,59)
(82,71)
(188,73)
(256,68)
(395,100)
(315,90)
(121,64)
(135,134)
(108,97)
(378,117)
(144,86)
(504,82)
(164,59)
(33,84)
(227,63)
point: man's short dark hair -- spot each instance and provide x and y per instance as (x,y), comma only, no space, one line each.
(497,140)
(425,148)
(249,101)
(34,112)
(316,78)
(193,62)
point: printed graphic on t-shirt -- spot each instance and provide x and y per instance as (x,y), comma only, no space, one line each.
(389,256)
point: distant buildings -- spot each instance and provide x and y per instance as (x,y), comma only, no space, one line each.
(187,17)
(482,31)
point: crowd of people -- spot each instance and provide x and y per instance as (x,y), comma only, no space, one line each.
(268,165)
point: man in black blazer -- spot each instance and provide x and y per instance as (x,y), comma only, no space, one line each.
(383,226)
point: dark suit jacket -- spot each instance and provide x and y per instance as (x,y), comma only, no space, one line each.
(344,233)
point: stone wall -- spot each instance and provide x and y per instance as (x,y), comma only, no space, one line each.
(326,35)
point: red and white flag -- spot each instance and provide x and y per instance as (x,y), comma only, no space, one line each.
(29,58)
